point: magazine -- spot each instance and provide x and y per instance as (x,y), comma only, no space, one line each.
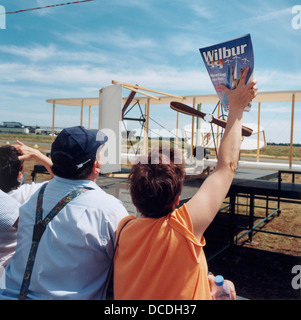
(225,63)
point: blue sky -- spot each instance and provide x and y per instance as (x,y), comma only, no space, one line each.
(74,50)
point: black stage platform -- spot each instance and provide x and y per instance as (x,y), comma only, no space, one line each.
(259,187)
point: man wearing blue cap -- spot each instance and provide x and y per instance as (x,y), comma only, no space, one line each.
(67,229)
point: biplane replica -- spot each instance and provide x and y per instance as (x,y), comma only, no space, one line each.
(126,145)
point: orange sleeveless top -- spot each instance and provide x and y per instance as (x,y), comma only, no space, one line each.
(160,259)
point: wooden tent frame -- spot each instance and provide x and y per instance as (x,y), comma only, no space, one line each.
(148,99)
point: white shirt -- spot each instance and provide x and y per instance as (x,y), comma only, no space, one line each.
(9,213)
(25,191)
(75,251)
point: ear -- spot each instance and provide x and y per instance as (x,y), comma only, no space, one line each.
(96,167)
(178,201)
(20,175)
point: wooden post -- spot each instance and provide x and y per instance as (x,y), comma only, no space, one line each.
(89,117)
(217,133)
(192,131)
(145,142)
(258,132)
(177,132)
(53,119)
(198,126)
(81,112)
(292,131)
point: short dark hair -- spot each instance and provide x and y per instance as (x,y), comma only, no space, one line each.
(10,166)
(73,174)
(155,184)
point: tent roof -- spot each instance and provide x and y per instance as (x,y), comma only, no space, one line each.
(272,96)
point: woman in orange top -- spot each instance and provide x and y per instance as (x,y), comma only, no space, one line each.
(160,255)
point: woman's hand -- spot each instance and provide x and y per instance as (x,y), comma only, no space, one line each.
(243,94)
(213,287)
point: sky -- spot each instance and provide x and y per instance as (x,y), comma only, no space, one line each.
(74,50)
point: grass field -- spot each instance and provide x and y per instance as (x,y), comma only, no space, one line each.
(276,152)
(288,222)
(270,151)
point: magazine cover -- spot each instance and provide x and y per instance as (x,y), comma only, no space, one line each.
(225,63)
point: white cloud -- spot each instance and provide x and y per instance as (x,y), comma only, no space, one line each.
(38,53)
(272,15)
(273,80)
(87,76)
(116,37)
(202,11)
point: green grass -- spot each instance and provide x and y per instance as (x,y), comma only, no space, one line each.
(12,137)
(275,151)
(270,151)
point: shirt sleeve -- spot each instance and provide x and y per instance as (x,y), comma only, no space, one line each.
(24,192)
(9,211)
(180,220)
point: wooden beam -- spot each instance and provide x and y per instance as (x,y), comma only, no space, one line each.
(146,89)
(146,94)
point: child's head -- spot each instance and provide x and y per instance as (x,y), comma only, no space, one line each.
(11,168)
(156,183)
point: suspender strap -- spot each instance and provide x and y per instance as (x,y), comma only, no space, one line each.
(38,231)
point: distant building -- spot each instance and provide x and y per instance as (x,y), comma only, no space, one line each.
(13,127)
(47,131)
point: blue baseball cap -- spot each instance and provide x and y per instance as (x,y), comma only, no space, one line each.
(74,147)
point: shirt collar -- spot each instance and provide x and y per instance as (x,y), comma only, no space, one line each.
(75,183)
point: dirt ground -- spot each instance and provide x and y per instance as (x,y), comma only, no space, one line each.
(261,269)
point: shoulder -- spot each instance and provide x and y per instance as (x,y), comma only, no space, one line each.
(181,217)
(180,221)
(9,211)
(104,202)
(25,191)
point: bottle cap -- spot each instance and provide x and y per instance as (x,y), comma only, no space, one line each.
(219,281)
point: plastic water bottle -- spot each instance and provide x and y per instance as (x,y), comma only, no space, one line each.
(222,289)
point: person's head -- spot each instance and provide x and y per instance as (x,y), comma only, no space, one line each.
(11,168)
(156,183)
(73,152)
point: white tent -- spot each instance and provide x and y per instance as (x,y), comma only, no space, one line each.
(208,136)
